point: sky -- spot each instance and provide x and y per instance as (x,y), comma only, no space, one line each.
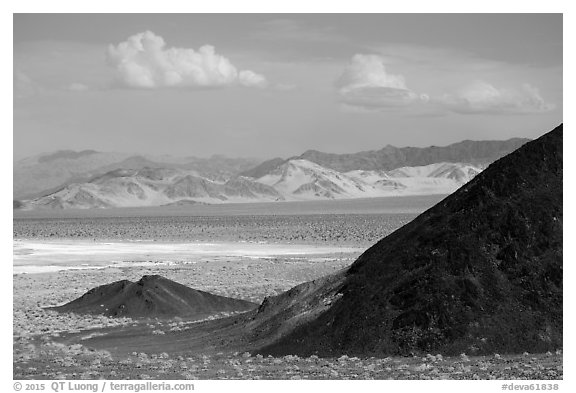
(268,85)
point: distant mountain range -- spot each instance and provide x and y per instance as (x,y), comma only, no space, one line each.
(44,174)
(90,179)
(153,187)
(478,153)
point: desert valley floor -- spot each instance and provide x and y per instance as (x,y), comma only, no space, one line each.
(234,252)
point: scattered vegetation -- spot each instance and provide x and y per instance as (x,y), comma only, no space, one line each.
(356,229)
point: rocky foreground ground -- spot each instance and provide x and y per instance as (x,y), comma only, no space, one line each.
(56,361)
(39,354)
(36,330)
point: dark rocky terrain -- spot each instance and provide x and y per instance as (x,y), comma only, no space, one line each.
(480,272)
(152,297)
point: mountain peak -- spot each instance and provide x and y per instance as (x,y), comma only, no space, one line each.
(146,279)
(311,152)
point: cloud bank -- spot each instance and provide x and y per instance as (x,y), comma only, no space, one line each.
(482,97)
(143,61)
(365,84)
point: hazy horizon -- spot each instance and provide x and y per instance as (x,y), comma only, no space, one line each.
(135,153)
(276,85)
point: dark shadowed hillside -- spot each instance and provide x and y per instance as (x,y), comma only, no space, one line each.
(152,297)
(263,168)
(480,272)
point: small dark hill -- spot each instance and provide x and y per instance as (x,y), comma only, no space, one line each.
(152,297)
(480,272)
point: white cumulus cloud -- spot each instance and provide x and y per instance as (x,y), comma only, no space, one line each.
(366,83)
(483,98)
(144,61)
